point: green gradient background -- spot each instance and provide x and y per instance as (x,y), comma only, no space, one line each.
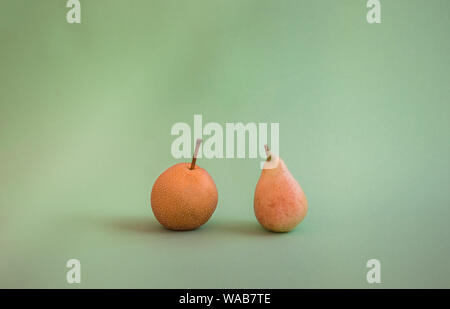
(85,118)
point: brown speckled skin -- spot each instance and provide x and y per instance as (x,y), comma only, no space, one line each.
(280,203)
(183,199)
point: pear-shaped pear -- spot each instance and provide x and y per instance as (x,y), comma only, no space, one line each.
(279,203)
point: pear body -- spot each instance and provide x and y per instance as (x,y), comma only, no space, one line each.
(279,203)
(183,199)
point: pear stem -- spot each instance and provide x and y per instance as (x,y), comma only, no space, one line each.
(268,153)
(194,157)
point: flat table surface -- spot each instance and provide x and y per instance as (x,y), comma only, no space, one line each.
(86,112)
